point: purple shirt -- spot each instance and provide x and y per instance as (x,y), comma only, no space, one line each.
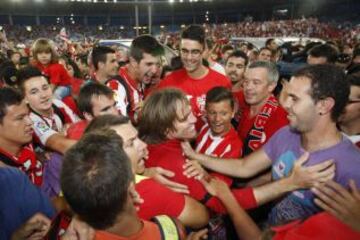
(284,148)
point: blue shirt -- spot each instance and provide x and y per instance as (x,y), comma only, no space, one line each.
(19,201)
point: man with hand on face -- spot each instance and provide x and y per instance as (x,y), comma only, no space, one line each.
(194,79)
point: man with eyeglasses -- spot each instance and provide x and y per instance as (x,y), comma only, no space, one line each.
(349,121)
(194,78)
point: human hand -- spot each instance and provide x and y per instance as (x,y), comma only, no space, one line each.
(214,186)
(34,228)
(307,177)
(78,230)
(194,169)
(188,150)
(198,235)
(338,201)
(161,175)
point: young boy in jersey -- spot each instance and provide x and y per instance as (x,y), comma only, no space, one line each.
(218,137)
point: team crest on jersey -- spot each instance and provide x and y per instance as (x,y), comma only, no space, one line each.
(42,127)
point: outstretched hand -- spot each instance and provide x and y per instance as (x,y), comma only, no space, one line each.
(307,176)
(338,201)
(34,228)
(188,150)
(162,176)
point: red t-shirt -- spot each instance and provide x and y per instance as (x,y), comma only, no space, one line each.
(149,231)
(196,89)
(321,226)
(227,146)
(76,130)
(277,120)
(158,200)
(56,73)
(169,155)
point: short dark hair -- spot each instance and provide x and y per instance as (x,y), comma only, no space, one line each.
(219,94)
(327,81)
(145,44)
(159,113)
(326,51)
(226,47)
(95,178)
(8,97)
(98,54)
(106,121)
(25,74)
(195,33)
(87,92)
(239,54)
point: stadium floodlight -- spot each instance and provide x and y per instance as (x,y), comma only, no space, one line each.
(115,1)
(171,1)
(181,1)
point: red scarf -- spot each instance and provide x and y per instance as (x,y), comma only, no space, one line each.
(255,136)
(26,162)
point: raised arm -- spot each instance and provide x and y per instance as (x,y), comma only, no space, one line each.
(244,168)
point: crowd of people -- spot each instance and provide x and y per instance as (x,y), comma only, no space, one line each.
(225,142)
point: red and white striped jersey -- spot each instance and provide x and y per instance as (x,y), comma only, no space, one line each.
(136,93)
(228,146)
(44,127)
